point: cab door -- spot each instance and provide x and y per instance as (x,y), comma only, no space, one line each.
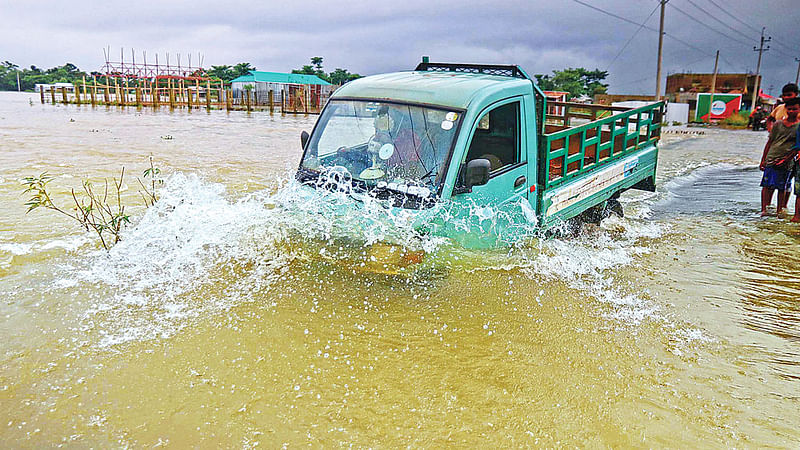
(499,137)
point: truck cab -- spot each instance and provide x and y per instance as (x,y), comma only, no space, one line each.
(469,136)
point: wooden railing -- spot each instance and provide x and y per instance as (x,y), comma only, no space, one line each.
(569,152)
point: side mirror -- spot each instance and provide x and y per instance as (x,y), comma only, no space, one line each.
(304,138)
(477,173)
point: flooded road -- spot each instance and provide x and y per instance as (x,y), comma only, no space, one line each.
(221,321)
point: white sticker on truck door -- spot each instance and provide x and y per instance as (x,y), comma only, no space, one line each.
(584,188)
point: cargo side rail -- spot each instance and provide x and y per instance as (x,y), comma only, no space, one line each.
(568,153)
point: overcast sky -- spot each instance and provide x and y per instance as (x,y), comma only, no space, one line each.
(380,36)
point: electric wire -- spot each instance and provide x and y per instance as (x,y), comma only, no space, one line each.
(738,20)
(756,30)
(675,38)
(672,5)
(631,39)
(729,14)
(718,20)
(614,15)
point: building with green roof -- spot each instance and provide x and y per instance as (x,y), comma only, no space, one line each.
(292,90)
(256,76)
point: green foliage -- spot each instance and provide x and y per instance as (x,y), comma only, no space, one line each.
(68,73)
(242,69)
(342,76)
(315,68)
(224,72)
(101,212)
(577,81)
(227,73)
(338,76)
(739,120)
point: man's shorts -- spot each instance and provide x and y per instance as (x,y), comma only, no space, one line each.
(778,179)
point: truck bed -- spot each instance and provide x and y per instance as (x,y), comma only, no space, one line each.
(581,154)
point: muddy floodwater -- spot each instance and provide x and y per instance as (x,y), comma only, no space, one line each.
(231,315)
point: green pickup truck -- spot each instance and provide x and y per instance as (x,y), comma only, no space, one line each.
(477,138)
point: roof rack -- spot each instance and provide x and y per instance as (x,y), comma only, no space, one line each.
(487,69)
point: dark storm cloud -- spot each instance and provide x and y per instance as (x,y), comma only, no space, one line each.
(372,37)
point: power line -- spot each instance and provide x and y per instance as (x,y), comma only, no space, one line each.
(688,44)
(732,65)
(614,15)
(708,27)
(632,37)
(675,38)
(755,30)
(724,10)
(781,51)
(734,29)
(718,20)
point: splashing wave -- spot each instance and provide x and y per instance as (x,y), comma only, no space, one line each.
(197,252)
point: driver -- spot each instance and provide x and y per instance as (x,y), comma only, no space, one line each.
(392,125)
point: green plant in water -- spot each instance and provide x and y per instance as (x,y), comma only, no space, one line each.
(102,212)
(739,120)
(149,193)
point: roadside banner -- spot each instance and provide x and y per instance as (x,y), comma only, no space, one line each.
(723,106)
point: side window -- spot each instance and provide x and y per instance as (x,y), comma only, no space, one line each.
(496,137)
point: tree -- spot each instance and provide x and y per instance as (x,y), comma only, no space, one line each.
(338,76)
(28,78)
(241,69)
(8,76)
(223,72)
(315,68)
(577,82)
(342,76)
(227,73)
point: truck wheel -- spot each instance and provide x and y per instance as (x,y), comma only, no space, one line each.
(614,206)
(597,213)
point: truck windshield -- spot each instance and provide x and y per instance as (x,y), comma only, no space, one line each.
(384,144)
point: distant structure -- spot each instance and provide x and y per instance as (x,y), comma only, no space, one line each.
(152,70)
(684,87)
(556,96)
(171,83)
(609,99)
(296,92)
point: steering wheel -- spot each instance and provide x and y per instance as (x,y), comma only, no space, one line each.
(336,178)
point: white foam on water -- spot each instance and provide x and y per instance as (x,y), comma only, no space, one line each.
(196,252)
(16,248)
(175,264)
(70,245)
(587,262)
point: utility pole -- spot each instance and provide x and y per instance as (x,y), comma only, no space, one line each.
(797,78)
(757,84)
(660,48)
(713,86)
(19,89)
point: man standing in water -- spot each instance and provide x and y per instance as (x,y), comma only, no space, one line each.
(779,113)
(777,158)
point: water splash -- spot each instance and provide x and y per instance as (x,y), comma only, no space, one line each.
(198,252)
